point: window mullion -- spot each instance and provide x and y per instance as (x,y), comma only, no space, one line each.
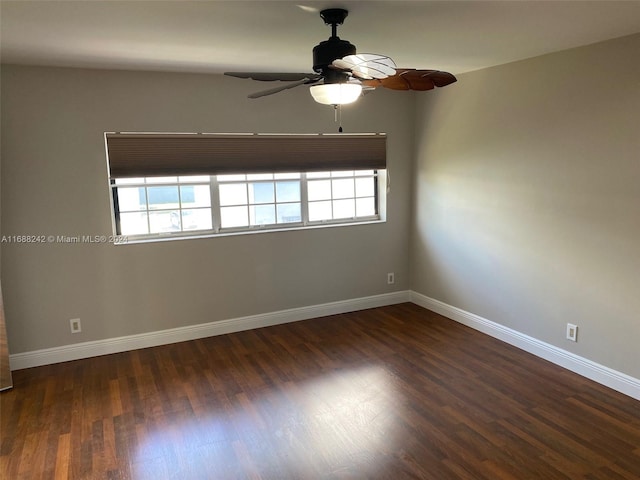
(248,204)
(146,199)
(216,214)
(333,214)
(304,200)
(275,199)
(375,192)
(180,206)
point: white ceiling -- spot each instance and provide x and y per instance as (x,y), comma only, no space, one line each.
(217,36)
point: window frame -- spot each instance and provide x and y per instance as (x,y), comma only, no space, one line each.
(380,190)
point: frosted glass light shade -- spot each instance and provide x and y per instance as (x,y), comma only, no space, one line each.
(336,93)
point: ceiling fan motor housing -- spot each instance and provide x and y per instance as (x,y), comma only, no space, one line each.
(330,50)
(334,48)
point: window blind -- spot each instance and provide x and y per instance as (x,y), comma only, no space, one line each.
(153,154)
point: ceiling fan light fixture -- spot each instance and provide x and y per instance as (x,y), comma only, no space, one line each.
(336,93)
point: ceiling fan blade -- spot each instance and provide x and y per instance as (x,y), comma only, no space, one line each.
(271,77)
(441,79)
(412,79)
(367,65)
(280,88)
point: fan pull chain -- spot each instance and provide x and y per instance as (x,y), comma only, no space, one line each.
(337,109)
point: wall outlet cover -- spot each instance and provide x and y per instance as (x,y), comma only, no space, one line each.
(572,332)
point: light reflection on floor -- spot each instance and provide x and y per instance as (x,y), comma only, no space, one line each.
(334,424)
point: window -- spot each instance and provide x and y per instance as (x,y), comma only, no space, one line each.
(155,207)
(259,199)
(341,195)
(162,205)
(165,185)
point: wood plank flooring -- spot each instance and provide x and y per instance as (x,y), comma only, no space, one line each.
(390,393)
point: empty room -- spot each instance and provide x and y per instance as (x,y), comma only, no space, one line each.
(320,240)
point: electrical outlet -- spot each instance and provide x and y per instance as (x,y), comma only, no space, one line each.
(572,332)
(391,278)
(76,326)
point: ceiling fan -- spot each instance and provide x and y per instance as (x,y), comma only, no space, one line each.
(340,74)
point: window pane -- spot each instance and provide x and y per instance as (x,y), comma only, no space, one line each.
(285,176)
(289,212)
(260,176)
(129,181)
(133,223)
(360,173)
(231,178)
(233,194)
(344,208)
(288,191)
(234,217)
(365,206)
(163,197)
(165,221)
(195,196)
(346,173)
(365,187)
(343,188)
(262,214)
(162,179)
(194,178)
(132,198)
(318,174)
(261,192)
(320,211)
(319,190)
(199,219)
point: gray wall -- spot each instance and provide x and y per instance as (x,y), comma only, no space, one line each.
(527,198)
(54,182)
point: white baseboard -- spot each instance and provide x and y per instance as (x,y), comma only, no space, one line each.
(618,381)
(78,351)
(604,375)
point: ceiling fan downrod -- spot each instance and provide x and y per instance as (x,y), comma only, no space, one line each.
(334,17)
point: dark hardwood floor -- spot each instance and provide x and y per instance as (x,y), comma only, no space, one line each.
(390,393)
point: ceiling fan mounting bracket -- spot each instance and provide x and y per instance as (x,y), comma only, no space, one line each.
(334,16)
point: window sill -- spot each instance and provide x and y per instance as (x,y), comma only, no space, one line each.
(133,239)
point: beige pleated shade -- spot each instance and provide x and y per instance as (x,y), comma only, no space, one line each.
(156,154)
